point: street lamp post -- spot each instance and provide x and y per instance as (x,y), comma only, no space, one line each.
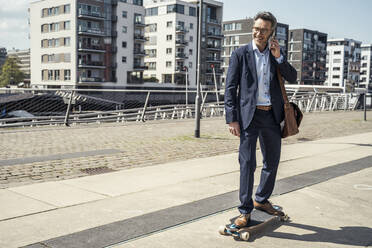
(197,98)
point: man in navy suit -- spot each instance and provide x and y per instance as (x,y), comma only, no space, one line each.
(254,109)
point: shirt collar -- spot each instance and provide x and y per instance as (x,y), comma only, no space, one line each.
(255,48)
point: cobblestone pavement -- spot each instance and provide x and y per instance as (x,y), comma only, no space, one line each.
(30,155)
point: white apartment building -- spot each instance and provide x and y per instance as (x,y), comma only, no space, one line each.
(366,67)
(343,63)
(171,30)
(86,43)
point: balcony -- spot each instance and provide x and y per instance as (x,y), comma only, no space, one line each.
(138,52)
(114,18)
(180,69)
(214,35)
(91,48)
(140,67)
(139,23)
(140,38)
(214,48)
(114,2)
(180,30)
(90,15)
(213,21)
(91,80)
(114,34)
(91,31)
(213,60)
(181,43)
(91,64)
(217,71)
(181,56)
(114,49)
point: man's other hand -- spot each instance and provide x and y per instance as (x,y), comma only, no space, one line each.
(234,128)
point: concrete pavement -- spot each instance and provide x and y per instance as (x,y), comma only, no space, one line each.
(324,185)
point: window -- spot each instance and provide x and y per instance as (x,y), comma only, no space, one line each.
(190,51)
(169,64)
(66,25)
(50,75)
(124,59)
(56,42)
(66,8)
(169,24)
(191,38)
(124,44)
(169,37)
(190,65)
(124,14)
(56,74)
(191,25)
(337,52)
(138,2)
(169,51)
(67,57)
(336,76)
(123,1)
(67,75)
(125,29)
(152,11)
(192,11)
(152,65)
(67,41)
(336,60)
(238,26)
(176,8)
(336,68)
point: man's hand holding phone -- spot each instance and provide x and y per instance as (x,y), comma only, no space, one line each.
(274,47)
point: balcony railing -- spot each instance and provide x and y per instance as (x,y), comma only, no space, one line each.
(141,67)
(91,79)
(213,21)
(92,31)
(139,23)
(181,56)
(213,47)
(91,63)
(139,37)
(212,59)
(180,69)
(139,52)
(95,15)
(217,71)
(218,35)
(91,47)
(181,42)
(181,29)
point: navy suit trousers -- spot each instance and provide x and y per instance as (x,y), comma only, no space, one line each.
(263,127)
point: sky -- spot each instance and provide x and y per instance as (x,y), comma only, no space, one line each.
(338,18)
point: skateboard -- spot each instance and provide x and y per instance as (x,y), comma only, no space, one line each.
(259,221)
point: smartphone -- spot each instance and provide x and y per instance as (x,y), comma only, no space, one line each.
(271,37)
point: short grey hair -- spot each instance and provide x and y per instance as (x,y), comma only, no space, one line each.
(267,16)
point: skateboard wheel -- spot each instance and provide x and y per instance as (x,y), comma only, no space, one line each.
(244,236)
(222,230)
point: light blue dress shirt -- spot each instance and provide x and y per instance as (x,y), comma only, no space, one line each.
(263,74)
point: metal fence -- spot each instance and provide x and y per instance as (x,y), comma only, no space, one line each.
(35,107)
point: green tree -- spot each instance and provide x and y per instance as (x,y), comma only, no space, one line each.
(10,73)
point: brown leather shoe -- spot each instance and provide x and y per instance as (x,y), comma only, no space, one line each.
(242,220)
(268,208)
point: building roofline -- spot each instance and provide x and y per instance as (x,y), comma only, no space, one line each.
(308,30)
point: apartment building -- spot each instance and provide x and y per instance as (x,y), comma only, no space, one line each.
(75,43)
(366,67)
(343,63)
(171,46)
(172,33)
(23,57)
(307,53)
(238,33)
(2,57)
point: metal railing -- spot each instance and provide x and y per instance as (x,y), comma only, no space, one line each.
(37,107)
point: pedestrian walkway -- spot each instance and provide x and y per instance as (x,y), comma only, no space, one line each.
(324,185)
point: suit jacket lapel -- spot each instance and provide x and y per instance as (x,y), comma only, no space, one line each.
(272,67)
(252,62)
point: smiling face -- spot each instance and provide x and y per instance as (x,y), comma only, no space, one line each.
(261,32)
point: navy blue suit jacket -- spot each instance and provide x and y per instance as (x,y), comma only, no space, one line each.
(242,85)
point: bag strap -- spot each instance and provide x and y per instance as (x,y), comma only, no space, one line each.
(281,82)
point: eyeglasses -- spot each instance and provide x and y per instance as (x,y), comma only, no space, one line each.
(261,30)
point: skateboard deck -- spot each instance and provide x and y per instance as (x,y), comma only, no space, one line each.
(259,222)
